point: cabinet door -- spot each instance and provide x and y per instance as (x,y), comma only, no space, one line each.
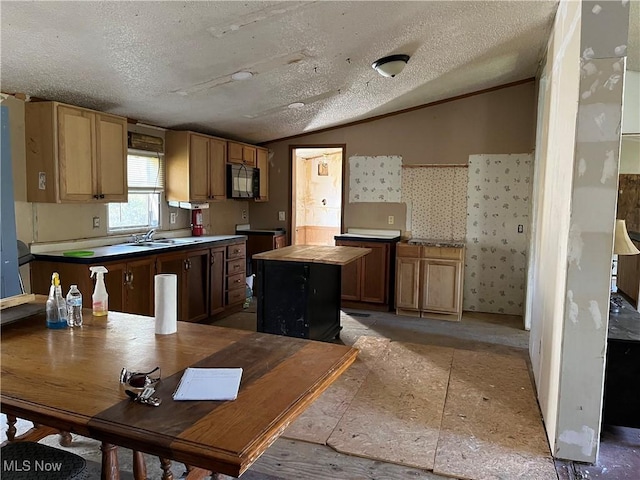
(175,263)
(374,275)
(217,172)
(216,279)
(249,155)
(198,168)
(440,284)
(407,283)
(76,154)
(280,241)
(197,286)
(114,282)
(351,275)
(111,141)
(262,161)
(139,286)
(234,153)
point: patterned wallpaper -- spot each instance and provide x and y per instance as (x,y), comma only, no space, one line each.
(498,200)
(374,179)
(436,202)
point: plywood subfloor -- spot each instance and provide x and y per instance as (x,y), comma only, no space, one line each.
(318,421)
(395,416)
(491,426)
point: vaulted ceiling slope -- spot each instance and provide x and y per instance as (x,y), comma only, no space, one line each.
(170,63)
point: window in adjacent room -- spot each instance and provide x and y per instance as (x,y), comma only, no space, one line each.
(145,172)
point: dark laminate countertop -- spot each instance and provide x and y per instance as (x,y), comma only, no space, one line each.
(366,238)
(273,232)
(634,236)
(128,250)
(626,324)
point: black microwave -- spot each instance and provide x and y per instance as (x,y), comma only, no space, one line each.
(242,181)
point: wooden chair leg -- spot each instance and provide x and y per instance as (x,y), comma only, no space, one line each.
(139,466)
(11,430)
(165,465)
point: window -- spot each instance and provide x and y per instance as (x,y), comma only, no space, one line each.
(145,172)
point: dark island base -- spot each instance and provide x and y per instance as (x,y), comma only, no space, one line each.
(299,299)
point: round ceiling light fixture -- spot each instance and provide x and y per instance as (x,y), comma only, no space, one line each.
(390,66)
(242,75)
(296,105)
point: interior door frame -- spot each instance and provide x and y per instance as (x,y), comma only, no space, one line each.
(292,178)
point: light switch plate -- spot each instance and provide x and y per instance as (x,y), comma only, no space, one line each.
(172,218)
(281,216)
(96,222)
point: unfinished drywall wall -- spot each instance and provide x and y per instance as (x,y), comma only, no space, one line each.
(576,181)
(498,205)
(551,209)
(499,121)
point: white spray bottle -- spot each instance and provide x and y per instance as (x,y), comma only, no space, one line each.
(100,298)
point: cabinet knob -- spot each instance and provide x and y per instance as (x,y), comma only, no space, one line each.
(101,195)
(96,197)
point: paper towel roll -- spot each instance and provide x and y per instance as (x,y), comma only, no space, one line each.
(166,303)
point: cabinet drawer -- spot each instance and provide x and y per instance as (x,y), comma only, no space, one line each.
(235,266)
(236,281)
(451,253)
(405,250)
(236,296)
(236,251)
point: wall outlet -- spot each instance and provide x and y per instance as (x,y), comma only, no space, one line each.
(520,228)
(281,216)
(172,217)
(96,222)
(244,214)
(391,220)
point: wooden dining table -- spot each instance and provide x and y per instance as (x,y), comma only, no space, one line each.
(69,379)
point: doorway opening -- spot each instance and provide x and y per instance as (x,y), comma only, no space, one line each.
(316,194)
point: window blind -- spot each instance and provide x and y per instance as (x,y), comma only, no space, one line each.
(145,171)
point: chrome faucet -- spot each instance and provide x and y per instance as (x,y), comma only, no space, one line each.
(145,237)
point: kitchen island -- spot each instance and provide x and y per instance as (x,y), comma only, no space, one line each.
(299,290)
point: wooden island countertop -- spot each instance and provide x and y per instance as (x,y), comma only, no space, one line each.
(314,254)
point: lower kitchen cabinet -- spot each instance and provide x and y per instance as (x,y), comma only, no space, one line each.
(367,283)
(236,291)
(192,269)
(129,284)
(429,281)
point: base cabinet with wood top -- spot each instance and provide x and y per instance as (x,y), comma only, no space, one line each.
(429,281)
(368,282)
(236,279)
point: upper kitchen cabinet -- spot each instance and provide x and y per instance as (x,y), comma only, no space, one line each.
(195,167)
(241,153)
(262,160)
(74,154)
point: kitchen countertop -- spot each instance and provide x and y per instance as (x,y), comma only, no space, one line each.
(369,235)
(634,236)
(130,250)
(314,254)
(427,242)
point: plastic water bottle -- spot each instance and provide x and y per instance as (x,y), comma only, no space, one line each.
(74,306)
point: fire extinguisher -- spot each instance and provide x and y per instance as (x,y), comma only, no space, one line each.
(196,222)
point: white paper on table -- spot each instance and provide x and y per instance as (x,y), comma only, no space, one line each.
(209,384)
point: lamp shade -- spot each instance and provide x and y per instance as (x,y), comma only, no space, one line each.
(390,66)
(622,244)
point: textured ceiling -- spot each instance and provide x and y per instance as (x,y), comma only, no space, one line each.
(170,63)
